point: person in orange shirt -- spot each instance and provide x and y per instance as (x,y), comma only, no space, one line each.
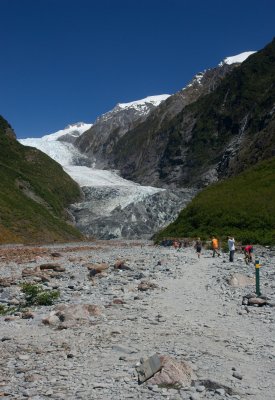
(215,246)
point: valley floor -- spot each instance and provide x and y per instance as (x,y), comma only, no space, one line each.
(193,314)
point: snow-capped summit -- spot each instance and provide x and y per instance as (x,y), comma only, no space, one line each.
(239,58)
(139,108)
(73,130)
(154,100)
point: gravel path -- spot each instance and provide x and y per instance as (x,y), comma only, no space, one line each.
(193,314)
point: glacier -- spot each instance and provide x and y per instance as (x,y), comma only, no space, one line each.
(112,207)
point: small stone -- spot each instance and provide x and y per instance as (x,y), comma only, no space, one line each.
(237,375)
(4,338)
(220,391)
(195,396)
(23,357)
(14,302)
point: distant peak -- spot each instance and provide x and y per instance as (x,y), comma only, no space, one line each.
(239,58)
(155,100)
(76,125)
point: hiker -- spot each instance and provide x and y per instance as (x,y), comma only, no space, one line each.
(198,247)
(215,246)
(231,247)
(248,250)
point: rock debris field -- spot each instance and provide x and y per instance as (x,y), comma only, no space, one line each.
(136,321)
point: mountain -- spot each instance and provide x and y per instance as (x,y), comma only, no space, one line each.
(223,131)
(35,194)
(242,206)
(99,141)
(112,207)
(144,147)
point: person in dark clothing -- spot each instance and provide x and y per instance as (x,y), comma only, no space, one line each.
(198,247)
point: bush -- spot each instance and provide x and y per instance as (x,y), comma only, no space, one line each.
(5,310)
(35,295)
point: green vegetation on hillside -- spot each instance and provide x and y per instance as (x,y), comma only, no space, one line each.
(243,206)
(34,192)
(243,102)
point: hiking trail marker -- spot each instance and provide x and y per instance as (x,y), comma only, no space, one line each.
(257,272)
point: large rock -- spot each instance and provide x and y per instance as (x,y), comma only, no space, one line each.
(240,280)
(52,267)
(173,372)
(70,312)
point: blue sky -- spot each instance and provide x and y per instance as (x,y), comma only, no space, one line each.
(65,61)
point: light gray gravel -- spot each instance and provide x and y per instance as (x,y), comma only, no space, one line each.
(193,315)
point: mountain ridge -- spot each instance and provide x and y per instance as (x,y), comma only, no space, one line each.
(201,143)
(35,194)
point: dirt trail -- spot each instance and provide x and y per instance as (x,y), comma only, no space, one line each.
(192,315)
(214,328)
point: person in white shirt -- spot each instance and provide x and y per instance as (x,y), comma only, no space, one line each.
(231,246)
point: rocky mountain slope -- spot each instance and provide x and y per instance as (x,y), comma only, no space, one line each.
(35,194)
(219,134)
(99,141)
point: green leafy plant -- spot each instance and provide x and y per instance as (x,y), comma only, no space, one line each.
(35,295)
(6,310)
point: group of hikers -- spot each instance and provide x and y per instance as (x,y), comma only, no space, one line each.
(247,250)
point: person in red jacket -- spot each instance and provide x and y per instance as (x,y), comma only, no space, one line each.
(248,250)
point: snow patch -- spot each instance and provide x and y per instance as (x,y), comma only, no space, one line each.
(155,100)
(239,58)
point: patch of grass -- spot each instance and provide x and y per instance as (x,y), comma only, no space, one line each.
(35,295)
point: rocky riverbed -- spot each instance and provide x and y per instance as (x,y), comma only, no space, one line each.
(123,302)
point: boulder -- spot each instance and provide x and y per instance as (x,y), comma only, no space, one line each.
(118,301)
(121,265)
(51,320)
(53,267)
(258,301)
(148,368)
(67,312)
(95,269)
(172,373)
(55,254)
(240,280)
(28,315)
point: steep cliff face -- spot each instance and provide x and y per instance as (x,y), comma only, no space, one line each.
(218,133)
(141,154)
(99,141)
